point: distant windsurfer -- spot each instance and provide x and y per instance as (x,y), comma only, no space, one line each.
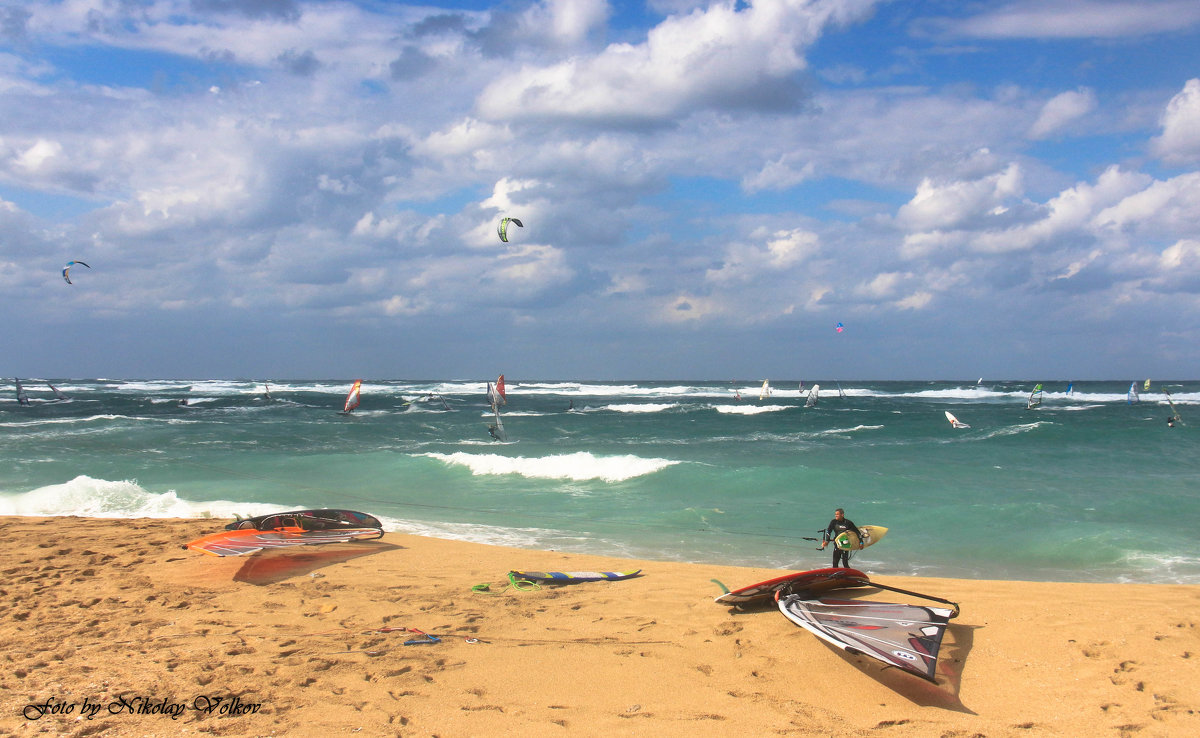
(492,432)
(836,527)
(1171,422)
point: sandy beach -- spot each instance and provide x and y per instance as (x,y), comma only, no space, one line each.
(109,628)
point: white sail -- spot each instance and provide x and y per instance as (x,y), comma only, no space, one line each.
(955,422)
(1035,397)
(813,394)
(765,392)
(496,397)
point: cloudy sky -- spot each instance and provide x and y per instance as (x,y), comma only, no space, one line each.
(311,189)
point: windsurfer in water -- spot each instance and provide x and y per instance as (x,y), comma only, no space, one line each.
(836,527)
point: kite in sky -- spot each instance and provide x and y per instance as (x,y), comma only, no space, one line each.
(67,270)
(840,327)
(503,228)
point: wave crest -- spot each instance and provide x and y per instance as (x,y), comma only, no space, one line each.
(578,467)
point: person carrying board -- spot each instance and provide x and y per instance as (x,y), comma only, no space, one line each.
(837,526)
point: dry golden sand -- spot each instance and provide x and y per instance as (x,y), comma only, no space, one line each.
(113,614)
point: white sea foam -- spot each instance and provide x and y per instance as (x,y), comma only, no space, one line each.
(101,498)
(640,408)
(837,431)
(1012,430)
(750,409)
(577,466)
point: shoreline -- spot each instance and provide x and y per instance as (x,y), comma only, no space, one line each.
(111,612)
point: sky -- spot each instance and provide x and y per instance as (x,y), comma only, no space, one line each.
(273,189)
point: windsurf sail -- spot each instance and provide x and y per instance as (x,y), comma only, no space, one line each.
(497,397)
(955,421)
(1146,386)
(22,398)
(353,397)
(298,520)
(497,394)
(496,429)
(1175,417)
(813,395)
(1035,397)
(765,392)
(840,392)
(1070,387)
(58,394)
(1132,395)
(905,636)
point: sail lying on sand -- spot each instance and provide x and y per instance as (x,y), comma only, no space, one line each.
(905,636)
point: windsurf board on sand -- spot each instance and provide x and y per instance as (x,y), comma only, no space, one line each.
(848,541)
(242,542)
(573,577)
(817,580)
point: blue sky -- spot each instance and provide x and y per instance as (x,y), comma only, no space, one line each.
(283,188)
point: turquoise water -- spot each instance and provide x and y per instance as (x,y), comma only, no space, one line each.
(1086,487)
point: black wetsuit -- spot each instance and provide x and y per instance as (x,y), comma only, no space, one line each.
(832,531)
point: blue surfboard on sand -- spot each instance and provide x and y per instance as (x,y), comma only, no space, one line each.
(572,577)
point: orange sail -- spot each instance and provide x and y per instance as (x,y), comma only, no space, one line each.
(352,399)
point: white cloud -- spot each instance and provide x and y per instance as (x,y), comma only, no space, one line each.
(463,137)
(1062,110)
(778,251)
(1180,139)
(779,175)
(1171,205)
(940,206)
(720,57)
(1076,19)
(1184,254)
(916,301)
(37,157)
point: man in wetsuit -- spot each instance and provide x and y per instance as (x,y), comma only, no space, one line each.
(837,526)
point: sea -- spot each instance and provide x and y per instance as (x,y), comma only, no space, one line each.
(1092,485)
